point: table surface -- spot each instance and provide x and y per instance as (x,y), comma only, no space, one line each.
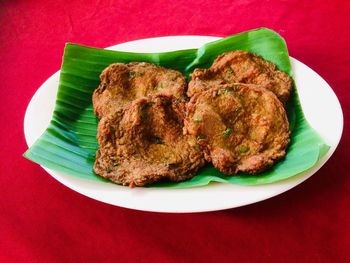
(41,220)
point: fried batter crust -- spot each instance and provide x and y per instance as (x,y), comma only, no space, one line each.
(144,143)
(240,127)
(122,83)
(243,67)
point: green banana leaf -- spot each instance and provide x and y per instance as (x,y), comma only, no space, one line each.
(69,143)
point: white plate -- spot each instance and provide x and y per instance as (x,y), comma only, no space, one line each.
(320,105)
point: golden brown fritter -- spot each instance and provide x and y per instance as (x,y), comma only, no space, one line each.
(243,67)
(144,143)
(122,83)
(240,127)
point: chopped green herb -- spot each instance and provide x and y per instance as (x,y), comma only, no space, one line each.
(229,73)
(227,132)
(133,74)
(160,85)
(197,119)
(200,137)
(243,148)
(222,91)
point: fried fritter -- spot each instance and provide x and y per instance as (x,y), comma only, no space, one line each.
(240,127)
(122,83)
(144,143)
(243,67)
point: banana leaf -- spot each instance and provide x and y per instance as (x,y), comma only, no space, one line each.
(69,143)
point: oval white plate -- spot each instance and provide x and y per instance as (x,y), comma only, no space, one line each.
(314,94)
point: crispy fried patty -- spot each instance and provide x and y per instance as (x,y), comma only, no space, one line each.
(240,127)
(144,143)
(122,83)
(243,67)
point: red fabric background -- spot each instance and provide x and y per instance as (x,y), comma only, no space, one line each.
(43,221)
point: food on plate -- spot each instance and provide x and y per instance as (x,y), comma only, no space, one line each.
(241,67)
(240,127)
(143,142)
(148,131)
(123,83)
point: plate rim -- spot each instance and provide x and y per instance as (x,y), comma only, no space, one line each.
(121,46)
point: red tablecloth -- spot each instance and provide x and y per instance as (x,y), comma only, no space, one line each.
(41,220)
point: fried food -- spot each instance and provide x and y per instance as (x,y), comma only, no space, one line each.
(243,67)
(240,127)
(148,132)
(144,143)
(123,83)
